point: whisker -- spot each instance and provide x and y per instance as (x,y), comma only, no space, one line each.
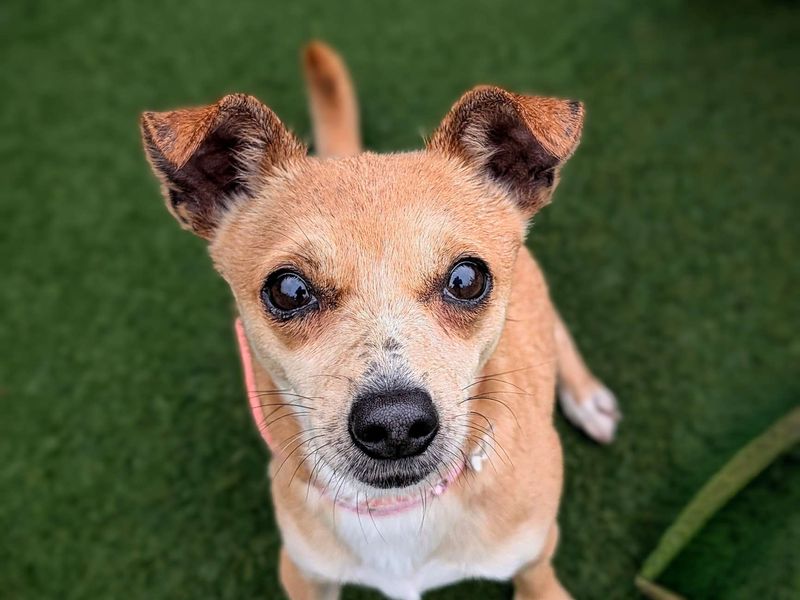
(336,500)
(495,379)
(288,443)
(288,440)
(481,415)
(324,463)
(526,367)
(491,375)
(498,401)
(300,464)
(489,432)
(492,439)
(372,518)
(296,448)
(257,394)
(507,392)
(492,447)
(345,377)
(264,426)
(358,514)
(284,404)
(424,510)
(320,459)
(330,480)
(477,441)
(448,447)
(297,253)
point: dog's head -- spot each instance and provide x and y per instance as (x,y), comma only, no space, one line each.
(372,288)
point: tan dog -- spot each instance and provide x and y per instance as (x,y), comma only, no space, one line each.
(406,349)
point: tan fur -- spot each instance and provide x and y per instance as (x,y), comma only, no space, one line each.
(538,579)
(334,109)
(376,234)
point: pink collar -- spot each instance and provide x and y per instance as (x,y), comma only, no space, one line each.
(378,507)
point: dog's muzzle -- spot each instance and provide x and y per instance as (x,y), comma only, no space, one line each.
(406,423)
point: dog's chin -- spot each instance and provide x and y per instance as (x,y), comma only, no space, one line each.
(393,474)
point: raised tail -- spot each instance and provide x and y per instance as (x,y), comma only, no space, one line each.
(332,99)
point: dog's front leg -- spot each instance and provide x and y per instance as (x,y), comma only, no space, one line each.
(585,400)
(299,587)
(537,580)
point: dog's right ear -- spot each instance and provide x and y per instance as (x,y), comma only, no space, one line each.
(208,158)
(518,142)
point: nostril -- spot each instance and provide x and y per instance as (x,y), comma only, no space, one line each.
(372,434)
(421,428)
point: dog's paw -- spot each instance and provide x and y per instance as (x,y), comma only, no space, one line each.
(594,409)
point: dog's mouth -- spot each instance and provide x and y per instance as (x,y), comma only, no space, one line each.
(402,499)
(381,487)
(392,474)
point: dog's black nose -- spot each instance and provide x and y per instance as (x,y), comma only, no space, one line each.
(394,424)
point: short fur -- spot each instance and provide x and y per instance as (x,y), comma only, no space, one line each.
(376,235)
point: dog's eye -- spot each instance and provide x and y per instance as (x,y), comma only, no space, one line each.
(468,281)
(286,293)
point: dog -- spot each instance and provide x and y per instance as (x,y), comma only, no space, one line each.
(403,348)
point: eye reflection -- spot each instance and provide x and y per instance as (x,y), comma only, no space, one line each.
(286,292)
(467,281)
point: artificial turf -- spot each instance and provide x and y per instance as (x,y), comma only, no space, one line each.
(128,464)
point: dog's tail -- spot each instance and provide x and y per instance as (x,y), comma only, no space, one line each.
(332,99)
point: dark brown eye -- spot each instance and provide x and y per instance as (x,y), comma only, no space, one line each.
(286,293)
(467,281)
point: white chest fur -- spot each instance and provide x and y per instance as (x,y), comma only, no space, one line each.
(403,557)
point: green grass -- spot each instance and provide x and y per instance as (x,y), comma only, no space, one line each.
(128,464)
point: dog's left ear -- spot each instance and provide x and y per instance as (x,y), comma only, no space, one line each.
(519,142)
(211,157)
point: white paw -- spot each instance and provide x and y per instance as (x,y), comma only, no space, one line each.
(595,411)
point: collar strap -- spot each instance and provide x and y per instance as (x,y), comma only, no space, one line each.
(250,385)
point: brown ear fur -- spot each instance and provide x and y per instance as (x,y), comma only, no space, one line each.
(519,142)
(208,157)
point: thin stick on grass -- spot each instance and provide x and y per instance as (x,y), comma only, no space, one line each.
(724,485)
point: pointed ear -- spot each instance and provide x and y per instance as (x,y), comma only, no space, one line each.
(518,142)
(210,157)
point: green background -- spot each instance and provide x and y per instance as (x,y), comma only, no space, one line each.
(128,464)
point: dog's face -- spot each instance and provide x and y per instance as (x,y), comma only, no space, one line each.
(372,288)
(374,282)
